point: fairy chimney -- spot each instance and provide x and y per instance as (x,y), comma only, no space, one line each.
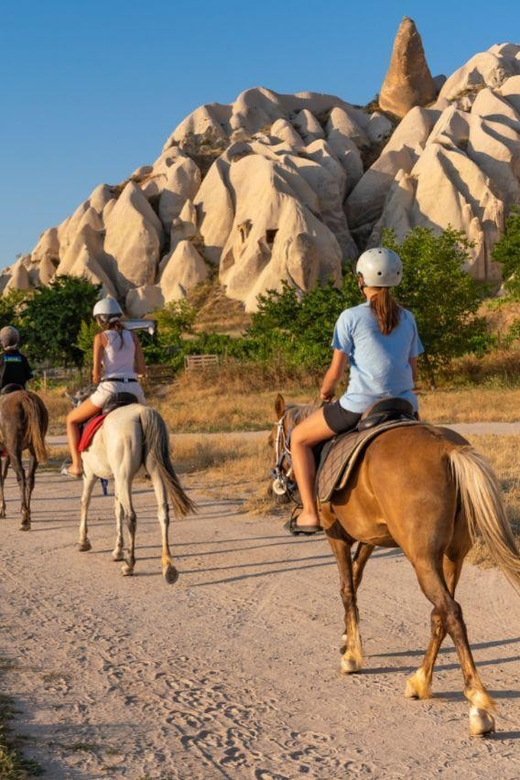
(408,81)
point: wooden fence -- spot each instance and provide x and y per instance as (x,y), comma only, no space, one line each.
(200,362)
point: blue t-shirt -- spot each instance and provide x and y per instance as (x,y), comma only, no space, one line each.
(379,364)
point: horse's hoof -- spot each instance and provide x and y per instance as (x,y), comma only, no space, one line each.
(25,527)
(349,666)
(481,722)
(118,555)
(416,687)
(84,546)
(127,570)
(170,574)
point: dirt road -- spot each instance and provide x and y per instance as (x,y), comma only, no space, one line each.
(233,671)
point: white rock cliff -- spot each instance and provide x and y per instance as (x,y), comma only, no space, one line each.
(275,188)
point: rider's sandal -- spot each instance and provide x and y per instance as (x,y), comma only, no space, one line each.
(66,472)
(301,530)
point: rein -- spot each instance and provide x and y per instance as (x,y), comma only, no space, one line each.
(282,482)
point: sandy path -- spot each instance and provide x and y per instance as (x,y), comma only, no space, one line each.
(233,671)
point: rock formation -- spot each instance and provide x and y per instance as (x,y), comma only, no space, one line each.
(408,82)
(275,188)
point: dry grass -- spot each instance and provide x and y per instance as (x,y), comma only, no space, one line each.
(215,311)
(240,397)
(231,398)
(58,406)
(477,404)
(503,452)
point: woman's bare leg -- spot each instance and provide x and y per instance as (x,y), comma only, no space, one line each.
(303,438)
(78,415)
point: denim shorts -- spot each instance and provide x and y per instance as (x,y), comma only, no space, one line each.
(339,419)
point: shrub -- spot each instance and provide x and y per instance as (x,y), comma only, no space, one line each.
(507,253)
(442,296)
(51,319)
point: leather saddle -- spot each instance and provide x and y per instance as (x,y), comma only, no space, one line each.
(339,455)
(119,399)
(12,387)
(92,425)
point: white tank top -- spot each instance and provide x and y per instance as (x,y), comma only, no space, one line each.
(118,358)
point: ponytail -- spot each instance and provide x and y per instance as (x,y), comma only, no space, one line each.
(386,310)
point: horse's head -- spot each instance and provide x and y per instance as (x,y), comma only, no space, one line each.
(283,486)
(80,395)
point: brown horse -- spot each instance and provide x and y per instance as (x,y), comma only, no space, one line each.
(23,425)
(426,490)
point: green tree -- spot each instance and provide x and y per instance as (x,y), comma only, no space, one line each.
(298,327)
(12,306)
(441,295)
(85,340)
(173,321)
(51,319)
(507,253)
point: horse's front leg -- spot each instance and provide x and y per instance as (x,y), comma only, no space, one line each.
(89,480)
(359,561)
(118,553)
(123,489)
(352,659)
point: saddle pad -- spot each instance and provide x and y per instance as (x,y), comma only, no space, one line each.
(341,456)
(90,428)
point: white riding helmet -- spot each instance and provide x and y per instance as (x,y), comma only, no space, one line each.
(380,267)
(108,309)
(9,337)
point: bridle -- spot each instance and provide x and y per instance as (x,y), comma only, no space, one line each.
(283,484)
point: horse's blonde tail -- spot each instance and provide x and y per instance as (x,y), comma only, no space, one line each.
(37,419)
(484,509)
(157,445)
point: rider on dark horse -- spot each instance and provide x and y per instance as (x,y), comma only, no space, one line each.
(15,370)
(379,340)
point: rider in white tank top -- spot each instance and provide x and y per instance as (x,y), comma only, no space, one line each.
(118,355)
(118,361)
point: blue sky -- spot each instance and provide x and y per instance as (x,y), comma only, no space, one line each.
(91,90)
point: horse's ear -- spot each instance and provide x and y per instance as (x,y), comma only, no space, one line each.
(279,405)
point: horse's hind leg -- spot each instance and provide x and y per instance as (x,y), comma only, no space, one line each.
(352,659)
(29,481)
(16,462)
(3,474)
(89,480)
(418,686)
(431,580)
(169,571)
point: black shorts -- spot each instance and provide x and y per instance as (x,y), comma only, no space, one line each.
(340,419)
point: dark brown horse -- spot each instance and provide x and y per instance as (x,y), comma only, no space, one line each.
(23,425)
(426,490)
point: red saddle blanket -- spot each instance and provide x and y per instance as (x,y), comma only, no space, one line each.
(89,429)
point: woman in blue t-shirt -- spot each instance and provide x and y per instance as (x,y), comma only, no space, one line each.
(380,343)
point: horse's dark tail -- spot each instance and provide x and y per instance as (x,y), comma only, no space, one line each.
(484,509)
(37,421)
(157,444)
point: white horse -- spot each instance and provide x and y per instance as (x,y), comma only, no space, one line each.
(132,437)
